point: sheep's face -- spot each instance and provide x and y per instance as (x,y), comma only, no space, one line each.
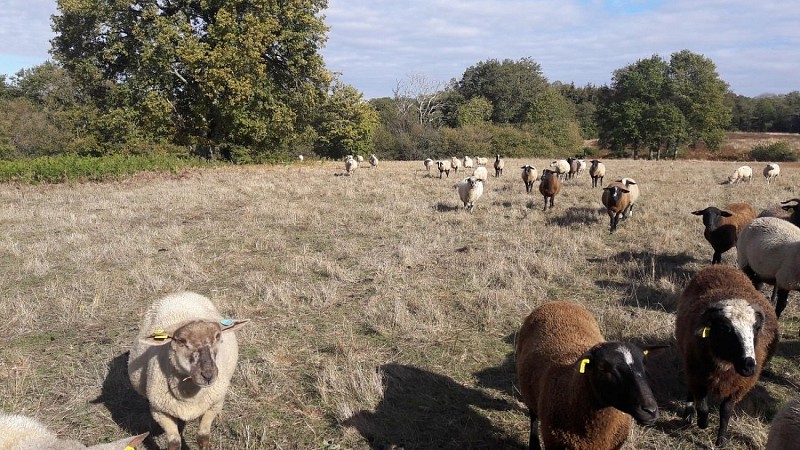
(194,351)
(732,328)
(712,217)
(618,379)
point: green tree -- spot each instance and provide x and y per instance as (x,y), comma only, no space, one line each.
(346,123)
(474,111)
(241,75)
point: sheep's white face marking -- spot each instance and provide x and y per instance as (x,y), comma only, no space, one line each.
(626,355)
(743,319)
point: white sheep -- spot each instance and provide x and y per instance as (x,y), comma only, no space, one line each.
(373,160)
(359,158)
(428,164)
(455,163)
(561,168)
(481,173)
(300,157)
(633,194)
(182,361)
(350,165)
(784,431)
(529,176)
(25,433)
(581,167)
(444,167)
(740,175)
(771,172)
(481,161)
(470,190)
(597,171)
(468,163)
(768,250)
(498,166)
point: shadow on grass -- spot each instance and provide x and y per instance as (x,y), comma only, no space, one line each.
(502,377)
(129,410)
(575,216)
(422,409)
(444,207)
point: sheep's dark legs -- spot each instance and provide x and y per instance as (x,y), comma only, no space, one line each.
(757,283)
(614,220)
(533,438)
(717,258)
(551,201)
(702,412)
(725,410)
(783,297)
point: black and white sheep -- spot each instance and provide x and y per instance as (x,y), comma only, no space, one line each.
(769,251)
(787,210)
(373,160)
(726,331)
(182,361)
(444,168)
(573,167)
(771,172)
(549,187)
(784,431)
(597,171)
(19,432)
(561,168)
(581,167)
(722,227)
(469,191)
(582,389)
(529,176)
(498,165)
(616,198)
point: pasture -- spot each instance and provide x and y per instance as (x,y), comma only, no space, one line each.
(383,314)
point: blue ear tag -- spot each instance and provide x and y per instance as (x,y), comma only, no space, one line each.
(226,322)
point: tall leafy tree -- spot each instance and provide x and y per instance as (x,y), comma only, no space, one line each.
(237,74)
(346,123)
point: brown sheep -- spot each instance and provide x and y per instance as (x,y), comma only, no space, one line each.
(563,365)
(722,227)
(726,331)
(784,431)
(789,211)
(549,187)
(616,198)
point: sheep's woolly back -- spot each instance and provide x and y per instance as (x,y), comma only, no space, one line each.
(561,166)
(481,173)
(771,247)
(550,184)
(19,432)
(597,170)
(771,171)
(618,206)
(716,285)
(784,432)
(633,187)
(149,367)
(470,190)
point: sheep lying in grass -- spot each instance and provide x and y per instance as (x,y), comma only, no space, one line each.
(24,433)
(529,176)
(470,190)
(581,388)
(740,175)
(182,361)
(498,165)
(597,171)
(481,173)
(784,431)
(771,172)
(549,187)
(769,251)
(444,167)
(722,227)
(616,198)
(726,331)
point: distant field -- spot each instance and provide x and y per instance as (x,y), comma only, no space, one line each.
(382,313)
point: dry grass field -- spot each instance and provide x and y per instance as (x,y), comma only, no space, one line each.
(383,314)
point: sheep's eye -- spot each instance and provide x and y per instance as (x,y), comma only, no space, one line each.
(181,342)
(217,336)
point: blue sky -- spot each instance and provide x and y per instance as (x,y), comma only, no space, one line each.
(375,44)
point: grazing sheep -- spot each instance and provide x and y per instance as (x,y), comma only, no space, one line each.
(428,164)
(769,251)
(740,175)
(771,172)
(455,163)
(563,368)
(350,165)
(561,168)
(616,198)
(182,361)
(25,433)
(481,161)
(722,227)
(784,432)
(498,166)
(468,164)
(597,171)
(443,168)
(470,190)
(726,331)
(529,175)
(573,167)
(789,211)
(581,167)
(481,173)
(549,186)
(373,160)
(633,187)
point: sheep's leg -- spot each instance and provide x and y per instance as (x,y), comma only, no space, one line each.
(614,221)
(552,198)
(783,298)
(533,438)
(702,411)
(756,280)
(204,431)
(689,412)
(717,258)
(170,426)
(725,410)
(545,204)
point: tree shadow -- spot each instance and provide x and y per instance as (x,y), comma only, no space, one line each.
(422,410)
(129,410)
(575,216)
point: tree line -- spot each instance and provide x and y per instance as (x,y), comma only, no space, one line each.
(243,80)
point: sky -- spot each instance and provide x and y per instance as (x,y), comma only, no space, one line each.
(378,45)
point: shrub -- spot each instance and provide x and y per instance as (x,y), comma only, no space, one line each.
(773,151)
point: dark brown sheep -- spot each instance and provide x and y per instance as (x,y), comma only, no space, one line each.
(549,187)
(722,227)
(726,331)
(563,370)
(616,198)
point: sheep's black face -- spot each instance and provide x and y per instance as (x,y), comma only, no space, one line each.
(195,348)
(732,328)
(712,217)
(618,379)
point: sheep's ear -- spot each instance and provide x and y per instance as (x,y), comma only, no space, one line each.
(157,337)
(624,190)
(233,324)
(125,444)
(725,213)
(698,212)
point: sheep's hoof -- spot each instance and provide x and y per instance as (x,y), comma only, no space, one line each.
(689,414)
(203,441)
(174,445)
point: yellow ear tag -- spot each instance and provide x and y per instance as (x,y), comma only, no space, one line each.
(584,362)
(645,352)
(706,331)
(160,334)
(129,448)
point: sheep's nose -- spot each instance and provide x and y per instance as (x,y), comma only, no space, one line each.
(749,367)
(652,410)
(208,378)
